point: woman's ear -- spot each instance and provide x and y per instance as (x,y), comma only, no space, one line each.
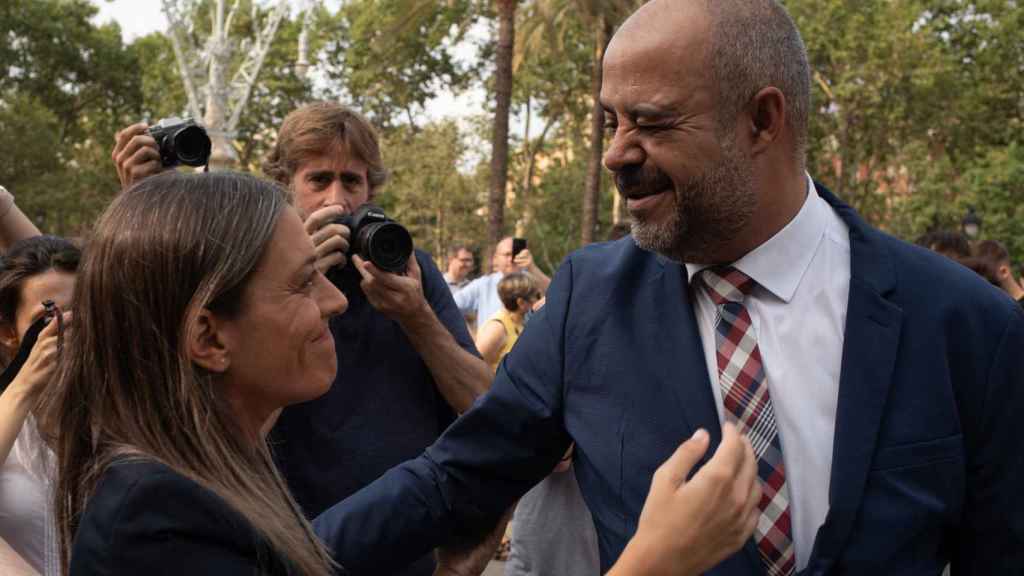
(207,345)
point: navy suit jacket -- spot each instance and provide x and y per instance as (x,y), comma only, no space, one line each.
(926,466)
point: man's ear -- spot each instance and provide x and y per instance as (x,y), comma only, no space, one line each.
(207,345)
(768,110)
(1003,272)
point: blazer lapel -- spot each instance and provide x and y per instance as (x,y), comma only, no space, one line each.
(681,362)
(870,349)
(679,357)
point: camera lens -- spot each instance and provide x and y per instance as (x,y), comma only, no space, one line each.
(192,146)
(387,244)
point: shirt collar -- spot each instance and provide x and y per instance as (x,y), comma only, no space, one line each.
(779,264)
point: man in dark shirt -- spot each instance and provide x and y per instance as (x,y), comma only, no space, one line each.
(406,363)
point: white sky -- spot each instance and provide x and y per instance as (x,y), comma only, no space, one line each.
(140,17)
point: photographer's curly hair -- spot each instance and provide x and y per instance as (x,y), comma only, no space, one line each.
(317,128)
(28,258)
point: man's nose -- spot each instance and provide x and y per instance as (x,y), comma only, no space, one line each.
(337,197)
(622,152)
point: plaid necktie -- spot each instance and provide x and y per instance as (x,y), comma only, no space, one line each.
(747,404)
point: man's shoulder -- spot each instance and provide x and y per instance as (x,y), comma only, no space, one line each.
(618,261)
(938,295)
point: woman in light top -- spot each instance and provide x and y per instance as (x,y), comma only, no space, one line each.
(33,271)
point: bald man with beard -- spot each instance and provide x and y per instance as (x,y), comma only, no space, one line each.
(881,385)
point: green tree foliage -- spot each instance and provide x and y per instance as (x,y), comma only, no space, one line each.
(439,204)
(64,89)
(389,57)
(918,109)
(915,102)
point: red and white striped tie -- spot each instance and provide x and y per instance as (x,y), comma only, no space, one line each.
(747,403)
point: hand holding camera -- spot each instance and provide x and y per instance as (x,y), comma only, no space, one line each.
(141,151)
(36,362)
(330,238)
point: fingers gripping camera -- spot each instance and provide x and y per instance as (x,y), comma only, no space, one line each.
(378,239)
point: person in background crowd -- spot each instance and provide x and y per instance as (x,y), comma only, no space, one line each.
(406,362)
(33,271)
(952,245)
(982,268)
(496,336)
(480,297)
(997,259)
(460,264)
(881,384)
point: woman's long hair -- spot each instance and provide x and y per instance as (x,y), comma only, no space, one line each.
(164,250)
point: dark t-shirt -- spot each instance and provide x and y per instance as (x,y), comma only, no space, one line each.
(383,409)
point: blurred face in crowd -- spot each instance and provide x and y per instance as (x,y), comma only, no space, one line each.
(502,260)
(687,186)
(50,285)
(460,266)
(280,349)
(336,178)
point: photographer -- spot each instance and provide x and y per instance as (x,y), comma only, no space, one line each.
(35,270)
(406,363)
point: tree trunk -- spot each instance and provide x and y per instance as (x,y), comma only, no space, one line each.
(222,155)
(592,190)
(502,104)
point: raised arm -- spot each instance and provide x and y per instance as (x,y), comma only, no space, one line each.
(14,224)
(460,375)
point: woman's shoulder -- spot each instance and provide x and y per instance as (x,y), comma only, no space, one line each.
(145,515)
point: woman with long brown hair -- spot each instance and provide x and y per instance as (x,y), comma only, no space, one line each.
(199,312)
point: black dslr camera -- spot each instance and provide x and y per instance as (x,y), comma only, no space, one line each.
(28,341)
(377,238)
(181,142)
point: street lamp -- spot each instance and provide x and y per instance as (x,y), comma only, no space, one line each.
(971,224)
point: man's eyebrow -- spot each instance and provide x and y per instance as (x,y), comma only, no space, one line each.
(649,111)
(318,173)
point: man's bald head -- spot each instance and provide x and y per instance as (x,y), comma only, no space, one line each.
(746,45)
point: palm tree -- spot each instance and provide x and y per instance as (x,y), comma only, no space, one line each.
(545,31)
(502,104)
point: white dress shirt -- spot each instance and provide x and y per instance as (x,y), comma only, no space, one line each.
(798,311)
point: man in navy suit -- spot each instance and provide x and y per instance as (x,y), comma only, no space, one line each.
(881,385)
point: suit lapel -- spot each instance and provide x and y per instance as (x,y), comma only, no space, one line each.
(679,358)
(869,355)
(682,365)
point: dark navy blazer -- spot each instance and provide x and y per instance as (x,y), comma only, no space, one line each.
(926,470)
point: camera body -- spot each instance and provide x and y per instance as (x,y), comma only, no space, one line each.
(181,142)
(377,238)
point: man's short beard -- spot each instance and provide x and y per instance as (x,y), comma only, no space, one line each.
(711,210)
